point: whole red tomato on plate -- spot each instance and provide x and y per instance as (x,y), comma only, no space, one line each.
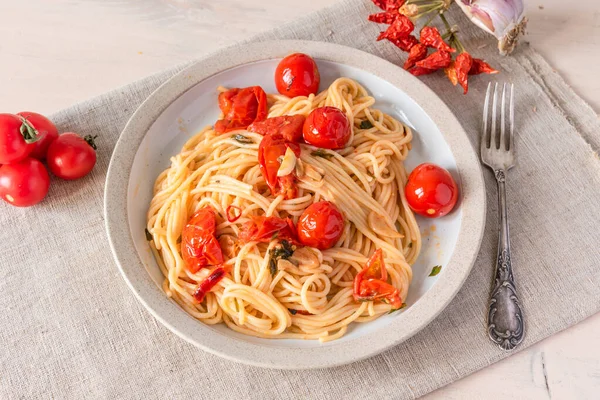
(320,225)
(327,127)
(297,75)
(17,138)
(431,191)
(25,183)
(46,131)
(70,156)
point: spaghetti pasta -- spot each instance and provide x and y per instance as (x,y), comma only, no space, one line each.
(309,296)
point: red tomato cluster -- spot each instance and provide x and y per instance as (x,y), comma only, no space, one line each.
(27,139)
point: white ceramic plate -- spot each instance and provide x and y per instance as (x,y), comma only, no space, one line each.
(188,102)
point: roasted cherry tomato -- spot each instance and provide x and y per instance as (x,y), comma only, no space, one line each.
(327,127)
(17,138)
(70,156)
(241,107)
(207,284)
(265,229)
(370,283)
(297,75)
(199,246)
(46,131)
(288,126)
(320,225)
(431,191)
(25,183)
(271,151)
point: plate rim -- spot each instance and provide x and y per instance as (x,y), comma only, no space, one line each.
(418,316)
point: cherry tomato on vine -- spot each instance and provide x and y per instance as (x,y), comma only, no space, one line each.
(46,131)
(327,127)
(297,75)
(25,183)
(17,138)
(70,156)
(320,225)
(431,191)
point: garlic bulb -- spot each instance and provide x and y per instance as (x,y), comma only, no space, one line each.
(505,19)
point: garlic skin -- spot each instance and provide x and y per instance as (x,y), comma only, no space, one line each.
(505,19)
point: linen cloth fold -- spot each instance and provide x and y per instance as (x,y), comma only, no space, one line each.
(70,328)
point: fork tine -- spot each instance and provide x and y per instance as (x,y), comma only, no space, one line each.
(511,121)
(493,134)
(502,144)
(484,129)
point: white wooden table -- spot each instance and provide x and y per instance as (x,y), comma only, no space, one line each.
(56,53)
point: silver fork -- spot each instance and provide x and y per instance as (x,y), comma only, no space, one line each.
(505,317)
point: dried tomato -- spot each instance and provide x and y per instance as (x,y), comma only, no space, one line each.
(389,5)
(241,107)
(481,67)
(406,43)
(418,71)
(385,17)
(431,37)
(416,53)
(450,72)
(400,28)
(463,64)
(437,60)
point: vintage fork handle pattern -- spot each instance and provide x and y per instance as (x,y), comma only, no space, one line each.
(505,317)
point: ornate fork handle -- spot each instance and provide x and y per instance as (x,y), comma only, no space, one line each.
(505,318)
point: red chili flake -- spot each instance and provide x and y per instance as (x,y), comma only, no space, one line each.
(206,285)
(416,53)
(389,5)
(406,43)
(386,17)
(400,28)
(481,67)
(450,72)
(418,71)
(463,64)
(437,60)
(431,37)
(234,217)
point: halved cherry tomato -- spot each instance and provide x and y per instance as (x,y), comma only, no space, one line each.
(431,191)
(70,156)
(17,138)
(272,147)
(370,283)
(46,130)
(25,183)
(297,75)
(320,225)
(207,284)
(199,246)
(289,126)
(241,107)
(265,229)
(327,127)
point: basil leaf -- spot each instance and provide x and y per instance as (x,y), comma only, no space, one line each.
(366,124)
(403,305)
(148,234)
(292,311)
(435,270)
(242,139)
(322,153)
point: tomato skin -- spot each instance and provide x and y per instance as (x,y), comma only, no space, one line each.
(288,126)
(241,107)
(264,229)
(431,191)
(13,147)
(327,127)
(370,283)
(25,183)
(70,156)
(297,75)
(47,133)
(271,148)
(320,225)
(199,246)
